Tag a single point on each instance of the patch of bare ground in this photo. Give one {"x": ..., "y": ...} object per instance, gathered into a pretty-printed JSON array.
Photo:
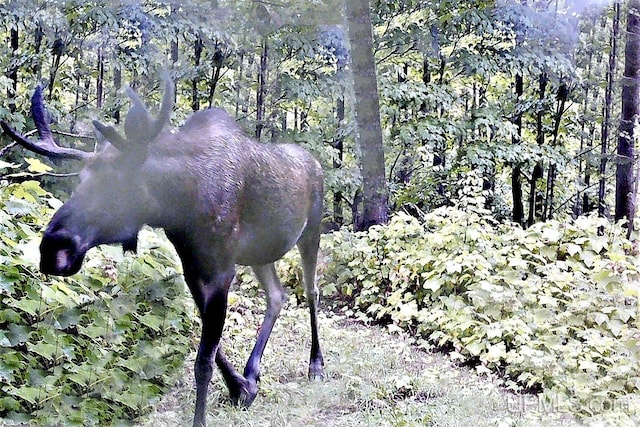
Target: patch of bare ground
[{"x": 373, "y": 378}]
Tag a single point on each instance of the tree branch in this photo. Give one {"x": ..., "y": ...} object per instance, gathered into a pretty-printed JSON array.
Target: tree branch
[{"x": 26, "y": 176}]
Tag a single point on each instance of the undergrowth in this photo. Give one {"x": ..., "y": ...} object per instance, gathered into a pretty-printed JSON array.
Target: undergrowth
[
  {"x": 551, "y": 308},
  {"x": 98, "y": 348}
]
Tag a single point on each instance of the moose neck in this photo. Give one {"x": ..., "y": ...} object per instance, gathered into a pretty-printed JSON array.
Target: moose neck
[{"x": 195, "y": 186}]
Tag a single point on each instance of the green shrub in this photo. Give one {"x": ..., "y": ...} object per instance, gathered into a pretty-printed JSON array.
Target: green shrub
[
  {"x": 553, "y": 307},
  {"x": 98, "y": 348}
]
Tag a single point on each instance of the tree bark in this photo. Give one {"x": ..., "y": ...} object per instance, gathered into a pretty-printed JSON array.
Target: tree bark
[
  {"x": 608, "y": 102},
  {"x": 630, "y": 109},
  {"x": 538, "y": 171},
  {"x": 583, "y": 203},
  {"x": 117, "y": 84},
  {"x": 100, "y": 78},
  {"x": 338, "y": 215},
  {"x": 516, "y": 171},
  {"x": 562, "y": 95},
  {"x": 13, "y": 71},
  {"x": 374, "y": 194},
  {"x": 262, "y": 88},
  {"x": 197, "y": 52}
]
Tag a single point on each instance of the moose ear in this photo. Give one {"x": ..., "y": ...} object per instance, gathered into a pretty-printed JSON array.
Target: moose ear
[
  {"x": 137, "y": 124},
  {"x": 110, "y": 134}
]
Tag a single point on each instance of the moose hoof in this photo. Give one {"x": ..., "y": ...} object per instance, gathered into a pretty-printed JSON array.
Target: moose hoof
[
  {"x": 246, "y": 395},
  {"x": 316, "y": 373}
]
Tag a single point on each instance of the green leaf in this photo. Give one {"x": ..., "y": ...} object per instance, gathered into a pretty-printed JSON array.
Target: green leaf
[
  {"x": 27, "y": 305},
  {"x": 36, "y": 166},
  {"x": 4, "y": 341},
  {"x": 6, "y": 285},
  {"x": 48, "y": 351},
  {"x": 30, "y": 394},
  {"x": 152, "y": 321}
]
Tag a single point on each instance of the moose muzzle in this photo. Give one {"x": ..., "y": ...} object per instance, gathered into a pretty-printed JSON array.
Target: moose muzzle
[{"x": 60, "y": 255}]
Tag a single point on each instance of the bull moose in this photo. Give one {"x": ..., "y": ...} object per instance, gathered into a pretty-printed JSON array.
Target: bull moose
[{"x": 222, "y": 198}]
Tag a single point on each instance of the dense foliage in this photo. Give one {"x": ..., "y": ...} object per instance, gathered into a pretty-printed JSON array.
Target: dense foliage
[
  {"x": 524, "y": 92},
  {"x": 553, "y": 307},
  {"x": 95, "y": 349}
]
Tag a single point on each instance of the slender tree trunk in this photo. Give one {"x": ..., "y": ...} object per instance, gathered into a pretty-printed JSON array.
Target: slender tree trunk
[
  {"x": 438, "y": 151},
  {"x": 117, "y": 84},
  {"x": 338, "y": 215},
  {"x": 197, "y": 53},
  {"x": 375, "y": 196},
  {"x": 239, "y": 83},
  {"x": 13, "y": 71},
  {"x": 538, "y": 171},
  {"x": 516, "y": 171},
  {"x": 630, "y": 109},
  {"x": 37, "y": 47},
  {"x": 608, "y": 103},
  {"x": 174, "y": 51},
  {"x": 100, "y": 78},
  {"x": 562, "y": 96},
  {"x": 583, "y": 204},
  {"x": 262, "y": 88},
  {"x": 57, "y": 51},
  {"x": 218, "y": 59}
]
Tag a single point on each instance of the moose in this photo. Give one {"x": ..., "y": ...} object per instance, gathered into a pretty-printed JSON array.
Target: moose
[{"x": 223, "y": 199}]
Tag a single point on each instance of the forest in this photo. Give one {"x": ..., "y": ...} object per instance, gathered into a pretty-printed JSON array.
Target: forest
[{"x": 480, "y": 172}]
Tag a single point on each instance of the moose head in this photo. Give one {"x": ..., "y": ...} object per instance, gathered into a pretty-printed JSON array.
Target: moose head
[
  {"x": 83, "y": 222},
  {"x": 221, "y": 197}
]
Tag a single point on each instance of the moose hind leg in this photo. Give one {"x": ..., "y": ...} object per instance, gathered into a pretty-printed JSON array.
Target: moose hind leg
[
  {"x": 308, "y": 247},
  {"x": 276, "y": 296}
]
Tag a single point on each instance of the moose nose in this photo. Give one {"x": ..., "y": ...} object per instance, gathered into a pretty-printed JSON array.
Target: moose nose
[{"x": 59, "y": 256}]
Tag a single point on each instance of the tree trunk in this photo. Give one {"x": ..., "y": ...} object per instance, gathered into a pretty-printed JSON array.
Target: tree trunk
[
  {"x": 37, "y": 47},
  {"x": 238, "y": 82},
  {"x": 538, "y": 171},
  {"x": 57, "y": 50},
  {"x": 218, "y": 59},
  {"x": 117, "y": 84},
  {"x": 13, "y": 71},
  {"x": 367, "y": 107},
  {"x": 100, "y": 78},
  {"x": 197, "y": 53},
  {"x": 608, "y": 102},
  {"x": 516, "y": 172},
  {"x": 338, "y": 215},
  {"x": 630, "y": 109},
  {"x": 583, "y": 204},
  {"x": 262, "y": 88},
  {"x": 562, "y": 96}
]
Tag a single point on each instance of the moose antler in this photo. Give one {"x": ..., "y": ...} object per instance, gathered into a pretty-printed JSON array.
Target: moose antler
[
  {"x": 45, "y": 145},
  {"x": 139, "y": 127}
]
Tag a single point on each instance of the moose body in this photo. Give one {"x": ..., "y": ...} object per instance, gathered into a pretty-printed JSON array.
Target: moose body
[{"x": 222, "y": 198}]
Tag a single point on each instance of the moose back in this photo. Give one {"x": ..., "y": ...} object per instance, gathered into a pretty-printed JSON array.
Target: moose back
[{"x": 222, "y": 198}]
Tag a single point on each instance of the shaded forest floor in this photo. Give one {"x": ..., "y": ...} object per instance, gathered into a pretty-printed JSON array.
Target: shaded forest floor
[{"x": 373, "y": 378}]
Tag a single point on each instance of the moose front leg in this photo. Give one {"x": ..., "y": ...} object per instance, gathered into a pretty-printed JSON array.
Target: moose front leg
[
  {"x": 276, "y": 297},
  {"x": 211, "y": 298},
  {"x": 235, "y": 382}
]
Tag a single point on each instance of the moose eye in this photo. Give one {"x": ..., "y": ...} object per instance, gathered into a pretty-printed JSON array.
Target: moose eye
[{"x": 83, "y": 175}]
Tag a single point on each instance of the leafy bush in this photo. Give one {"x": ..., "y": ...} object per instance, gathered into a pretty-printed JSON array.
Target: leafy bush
[
  {"x": 93, "y": 349},
  {"x": 553, "y": 307}
]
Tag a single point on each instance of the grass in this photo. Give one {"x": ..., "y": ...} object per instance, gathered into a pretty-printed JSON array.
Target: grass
[{"x": 373, "y": 378}]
